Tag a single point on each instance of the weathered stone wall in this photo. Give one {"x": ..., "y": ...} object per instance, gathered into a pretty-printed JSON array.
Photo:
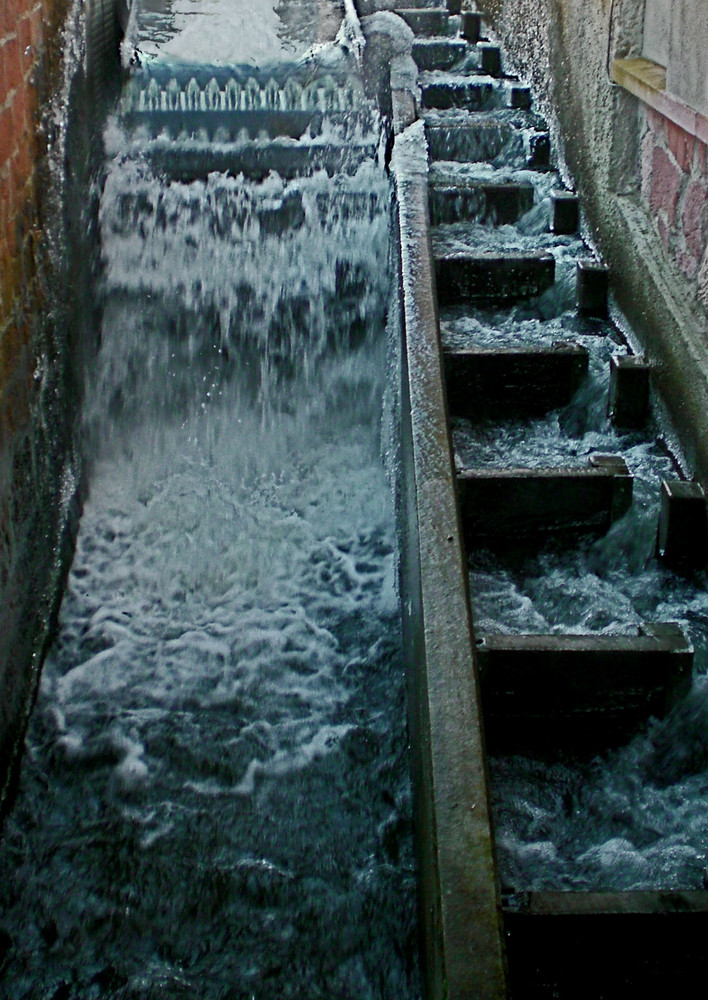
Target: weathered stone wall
[
  {"x": 674, "y": 186},
  {"x": 28, "y": 33},
  {"x": 38, "y": 376},
  {"x": 641, "y": 184}
]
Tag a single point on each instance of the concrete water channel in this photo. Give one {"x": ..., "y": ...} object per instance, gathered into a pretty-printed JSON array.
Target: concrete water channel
[{"x": 340, "y": 288}]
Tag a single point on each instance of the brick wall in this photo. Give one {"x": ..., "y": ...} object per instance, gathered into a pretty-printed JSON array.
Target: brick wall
[
  {"x": 674, "y": 185},
  {"x": 34, "y": 426}
]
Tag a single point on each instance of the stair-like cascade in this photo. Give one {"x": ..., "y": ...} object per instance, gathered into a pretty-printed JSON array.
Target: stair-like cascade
[
  {"x": 587, "y": 642},
  {"x": 216, "y": 801}
]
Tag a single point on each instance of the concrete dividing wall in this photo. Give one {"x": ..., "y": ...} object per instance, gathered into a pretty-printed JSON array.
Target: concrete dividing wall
[
  {"x": 29, "y": 34},
  {"x": 641, "y": 186},
  {"x": 45, "y": 312}
]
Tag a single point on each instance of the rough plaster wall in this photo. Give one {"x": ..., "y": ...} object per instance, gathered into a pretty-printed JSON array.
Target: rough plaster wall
[
  {"x": 36, "y": 383},
  {"x": 562, "y": 47},
  {"x": 687, "y": 74}
]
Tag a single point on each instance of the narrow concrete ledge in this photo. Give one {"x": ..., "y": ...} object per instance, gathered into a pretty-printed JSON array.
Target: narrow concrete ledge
[
  {"x": 647, "y": 81},
  {"x": 620, "y": 941},
  {"x": 460, "y": 905},
  {"x": 503, "y": 506},
  {"x": 579, "y": 692}
]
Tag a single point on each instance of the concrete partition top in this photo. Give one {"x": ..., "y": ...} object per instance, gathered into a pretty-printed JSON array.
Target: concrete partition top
[{"x": 460, "y": 905}]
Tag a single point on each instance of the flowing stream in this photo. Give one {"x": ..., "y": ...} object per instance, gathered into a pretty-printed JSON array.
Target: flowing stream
[
  {"x": 215, "y": 798},
  {"x": 635, "y": 817}
]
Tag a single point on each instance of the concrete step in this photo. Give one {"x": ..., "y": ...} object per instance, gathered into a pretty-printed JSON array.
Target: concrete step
[
  {"x": 190, "y": 161},
  {"x": 434, "y": 22},
  {"x": 519, "y": 381},
  {"x": 439, "y": 53},
  {"x": 491, "y": 202},
  {"x": 431, "y": 54},
  {"x": 616, "y": 945},
  {"x": 579, "y": 692},
  {"x": 518, "y": 144},
  {"x": 505, "y": 506},
  {"x": 473, "y": 93},
  {"x": 488, "y": 278}
]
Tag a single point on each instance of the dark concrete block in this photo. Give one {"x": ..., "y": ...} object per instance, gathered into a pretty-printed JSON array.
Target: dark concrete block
[
  {"x": 471, "y": 94},
  {"x": 616, "y": 945},
  {"x": 490, "y": 59},
  {"x": 520, "y": 97},
  {"x": 682, "y": 539},
  {"x": 566, "y": 212},
  {"x": 482, "y": 141},
  {"x": 628, "y": 404},
  {"x": 539, "y": 155},
  {"x": 530, "y": 381},
  {"x": 429, "y": 21},
  {"x": 489, "y": 278},
  {"x": 471, "y": 26},
  {"x": 579, "y": 691},
  {"x": 592, "y": 283},
  {"x": 489, "y": 202},
  {"x": 504, "y": 507},
  {"x": 438, "y": 53}
]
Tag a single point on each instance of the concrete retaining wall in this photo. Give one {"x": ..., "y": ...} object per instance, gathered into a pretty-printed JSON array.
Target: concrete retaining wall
[
  {"x": 46, "y": 319},
  {"x": 642, "y": 182}
]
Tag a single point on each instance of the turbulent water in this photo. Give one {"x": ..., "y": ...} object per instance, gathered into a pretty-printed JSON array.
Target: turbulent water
[
  {"x": 215, "y": 797},
  {"x": 635, "y": 817}
]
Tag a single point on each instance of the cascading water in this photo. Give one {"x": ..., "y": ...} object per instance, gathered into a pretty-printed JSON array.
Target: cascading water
[
  {"x": 634, "y": 817},
  {"x": 215, "y": 796}
]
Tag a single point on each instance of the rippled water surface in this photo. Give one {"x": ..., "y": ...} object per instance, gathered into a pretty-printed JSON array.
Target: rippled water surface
[{"x": 215, "y": 797}]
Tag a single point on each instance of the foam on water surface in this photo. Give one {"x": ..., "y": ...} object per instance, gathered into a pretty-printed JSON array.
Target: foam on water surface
[
  {"x": 230, "y": 31},
  {"x": 216, "y": 797}
]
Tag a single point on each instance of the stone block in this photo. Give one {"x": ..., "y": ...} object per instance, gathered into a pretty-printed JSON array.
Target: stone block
[
  {"x": 471, "y": 94},
  {"x": 483, "y": 382},
  {"x": 438, "y": 53},
  {"x": 579, "y": 691},
  {"x": 694, "y": 217},
  {"x": 681, "y": 145},
  {"x": 490, "y": 59},
  {"x": 488, "y": 202},
  {"x": 592, "y": 282},
  {"x": 477, "y": 142},
  {"x": 628, "y": 404},
  {"x": 682, "y": 538},
  {"x": 471, "y": 26},
  {"x": 665, "y": 184},
  {"x": 489, "y": 278},
  {"x": 627, "y": 944},
  {"x": 565, "y": 212},
  {"x": 539, "y": 155},
  {"x": 503, "y": 507},
  {"x": 429, "y": 21},
  {"x": 520, "y": 97}
]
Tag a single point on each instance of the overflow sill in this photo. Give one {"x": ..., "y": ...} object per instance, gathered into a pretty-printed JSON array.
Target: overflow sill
[
  {"x": 647, "y": 81},
  {"x": 460, "y": 905}
]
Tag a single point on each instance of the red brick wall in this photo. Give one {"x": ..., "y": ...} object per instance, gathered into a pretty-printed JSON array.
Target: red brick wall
[
  {"x": 675, "y": 187},
  {"x": 30, "y": 68}
]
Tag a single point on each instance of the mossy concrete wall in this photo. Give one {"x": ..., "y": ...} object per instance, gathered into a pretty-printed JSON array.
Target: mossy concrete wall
[
  {"x": 565, "y": 48},
  {"x": 44, "y": 209}
]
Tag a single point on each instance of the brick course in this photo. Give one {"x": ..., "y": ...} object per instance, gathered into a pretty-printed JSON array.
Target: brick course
[
  {"x": 675, "y": 187},
  {"x": 30, "y": 60}
]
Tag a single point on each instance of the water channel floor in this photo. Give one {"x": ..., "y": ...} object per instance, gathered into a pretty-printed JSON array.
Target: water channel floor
[{"x": 215, "y": 798}]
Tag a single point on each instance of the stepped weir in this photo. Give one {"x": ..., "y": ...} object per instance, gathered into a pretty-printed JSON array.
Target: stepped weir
[{"x": 377, "y": 486}]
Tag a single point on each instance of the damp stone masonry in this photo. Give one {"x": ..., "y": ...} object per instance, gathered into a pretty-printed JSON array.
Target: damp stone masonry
[
  {"x": 35, "y": 484},
  {"x": 639, "y": 165}
]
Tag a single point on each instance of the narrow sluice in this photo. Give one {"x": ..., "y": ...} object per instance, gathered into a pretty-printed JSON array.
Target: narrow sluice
[
  {"x": 215, "y": 796},
  {"x": 591, "y": 619}
]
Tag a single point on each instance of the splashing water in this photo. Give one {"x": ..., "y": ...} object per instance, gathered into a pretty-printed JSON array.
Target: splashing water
[{"x": 215, "y": 798}]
